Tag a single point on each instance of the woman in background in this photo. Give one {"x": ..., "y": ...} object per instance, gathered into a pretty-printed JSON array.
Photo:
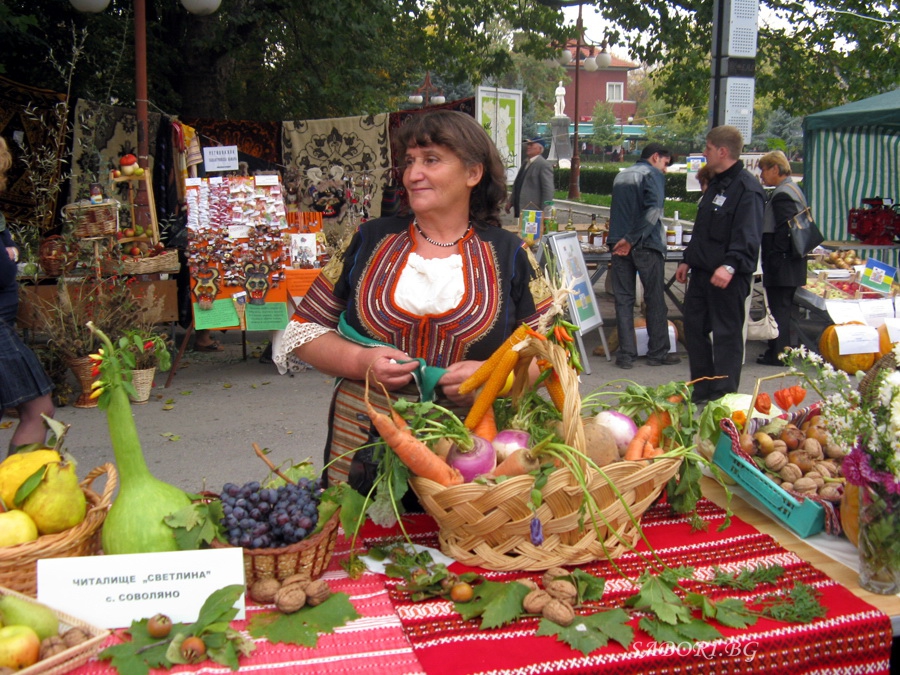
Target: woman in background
[
  {"x": 24, "y": 385},
  {"x": 783, "y": 272}
]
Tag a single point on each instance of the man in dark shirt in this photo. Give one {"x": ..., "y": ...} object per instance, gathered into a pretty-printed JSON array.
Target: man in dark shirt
[
  {"x": 636, "y": 242},
  {"x": 722, "y": 258}
]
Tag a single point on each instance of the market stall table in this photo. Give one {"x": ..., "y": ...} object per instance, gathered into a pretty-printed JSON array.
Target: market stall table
[
  {"x": 397, "y": 636},
  {"x": 598, "y": 261}
]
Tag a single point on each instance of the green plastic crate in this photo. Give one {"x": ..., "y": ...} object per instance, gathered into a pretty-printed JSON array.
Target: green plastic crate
[{"x": 805, "y": 517}]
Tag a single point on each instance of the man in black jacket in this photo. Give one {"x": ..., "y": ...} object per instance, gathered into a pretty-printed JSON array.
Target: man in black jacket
[{"x": 722, "y": 258}]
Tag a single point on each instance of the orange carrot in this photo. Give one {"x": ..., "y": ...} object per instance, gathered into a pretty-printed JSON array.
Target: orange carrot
[
  {"x": 636, "y": 446},
  {"x": 487, "y": 427},
  {"x": 518, "y": 463},
  {"x": 491, "y": 389},
  {"x": 417, "y": 456},
  {"x": 650, "y": 452},
  {"x": 481, "y": 375}
]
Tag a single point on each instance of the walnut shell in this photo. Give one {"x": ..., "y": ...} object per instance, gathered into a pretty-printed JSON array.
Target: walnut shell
[
  {"x": 787, "y": 486},
  {"x": 823, "y": 470},
  {"x": 805, "y": 486},
  {"x": 290, "y": 598},
  {"x": 834, "y": 451},
  {"x": 559, "y": 612},
  {"x": 813, "y": 448},
  {"x": 790, "y": 473},
  {"x": 263, "y": 591},
  {"x": 775, "y": 461},
  {"x": 554, "y": 573},
  {"x": 75, "y": 636},
  {"x": 51, "y": 646},
  {"x": 779, "y": 446},
  {"x": 317, "y": 592},
  {"x": 535, "y": 601},
  {"x": 830, "y": 492},
  {"x": 562, "y": 590},
  {"x": 530, "y": 584},
  {"x": 801, "y": 459},
  {"x": 296, "y": 579}
]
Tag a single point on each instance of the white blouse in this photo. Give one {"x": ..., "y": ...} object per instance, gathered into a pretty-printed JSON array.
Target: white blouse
[{"x": 431, "y": 286}]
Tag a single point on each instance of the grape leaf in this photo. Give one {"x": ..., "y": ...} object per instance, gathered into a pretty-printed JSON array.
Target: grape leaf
[
  {"x": 303, "y": 627},
  {"x": 733, "y": 612},
  {"x": 689, "y": 631},
  {"x": 657, "y": 597},
  {"x": 142, "y": 652},
  {"x": 496, "y": 603},
  {"x": 195, "y": 524},
  {"x": 588, "y": 633},
  {"x": 589, "y": 587}
]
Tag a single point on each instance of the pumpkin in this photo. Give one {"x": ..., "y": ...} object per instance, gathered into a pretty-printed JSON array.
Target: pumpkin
[
  {"x": 849, "y": 363},
  {"x": 884, "y": 341},
  {"x": 850, "y": 513}
]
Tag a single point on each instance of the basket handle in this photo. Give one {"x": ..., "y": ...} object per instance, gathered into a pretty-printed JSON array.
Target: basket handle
[
  {"x": 112, "y": 481},
  {"x": 761, "y": 380}
]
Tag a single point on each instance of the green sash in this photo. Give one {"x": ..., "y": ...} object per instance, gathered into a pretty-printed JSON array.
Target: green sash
[{"x": 426, "y": 376}]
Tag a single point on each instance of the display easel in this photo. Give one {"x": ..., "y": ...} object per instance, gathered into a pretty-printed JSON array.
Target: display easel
[
  {"x": 583, "y": 308},
  {"x": 134, "y": 186}
]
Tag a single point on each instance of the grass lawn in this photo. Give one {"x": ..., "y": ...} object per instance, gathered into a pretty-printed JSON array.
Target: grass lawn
[{"x": 687, "y": 211}]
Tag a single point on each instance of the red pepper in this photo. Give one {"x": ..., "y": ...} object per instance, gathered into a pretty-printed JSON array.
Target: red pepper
[{"x": 763, "y": 403}]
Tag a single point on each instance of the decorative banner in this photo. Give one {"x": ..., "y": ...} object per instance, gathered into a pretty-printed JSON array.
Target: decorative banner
[{"x": 499, "y": 111}]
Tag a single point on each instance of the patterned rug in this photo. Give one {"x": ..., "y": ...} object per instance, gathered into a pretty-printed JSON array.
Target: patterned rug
[
  {"x": 259, "y": 139},
  {"x": 853, "y": 638}
]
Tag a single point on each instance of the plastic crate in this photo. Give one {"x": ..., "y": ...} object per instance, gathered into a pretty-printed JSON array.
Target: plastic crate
[{"x": 805, "y": 517}]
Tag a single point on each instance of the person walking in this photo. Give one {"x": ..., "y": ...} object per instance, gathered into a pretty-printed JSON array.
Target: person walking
[
  {"x": 783, "y": 272},
  {"x": 636, "y": 242},
  {"x": 721, "y": 257},
  {"x": 533, "y": 186}
]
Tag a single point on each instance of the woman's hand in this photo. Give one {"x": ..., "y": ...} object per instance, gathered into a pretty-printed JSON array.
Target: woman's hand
[
  {"x": 456, "y": 374},
  {"x": 391, "y": 367}
]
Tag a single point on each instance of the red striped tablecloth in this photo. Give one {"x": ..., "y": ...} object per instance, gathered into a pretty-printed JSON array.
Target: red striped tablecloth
[{"x": 394, "y": 636}]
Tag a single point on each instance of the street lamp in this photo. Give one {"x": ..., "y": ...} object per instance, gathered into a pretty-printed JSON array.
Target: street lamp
[
  {"x": 142, "y": 113},
  {"x": 424, "y": 94}
]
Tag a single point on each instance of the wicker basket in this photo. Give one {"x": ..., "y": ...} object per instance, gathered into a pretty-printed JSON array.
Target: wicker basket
[
  {"x": 309, "y": 558},
  {"x": 55, "y": 257},
  {"x": 490, "y": 525},
  {"x": 18, "y": 564},
  {"x": 72, "y": 657},
  {"x": 92, "y": 220},
  {"x": 164, "y": 262}
]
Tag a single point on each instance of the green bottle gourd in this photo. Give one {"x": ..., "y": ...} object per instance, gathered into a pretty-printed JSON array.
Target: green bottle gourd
[{"x": 135, "y": 522}]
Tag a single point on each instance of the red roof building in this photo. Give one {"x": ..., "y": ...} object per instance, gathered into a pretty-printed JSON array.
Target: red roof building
[{"x": 604, "y": 84}]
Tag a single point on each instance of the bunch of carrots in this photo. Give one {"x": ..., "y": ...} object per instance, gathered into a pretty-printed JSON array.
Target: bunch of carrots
[{"x": 649, "y": 440}]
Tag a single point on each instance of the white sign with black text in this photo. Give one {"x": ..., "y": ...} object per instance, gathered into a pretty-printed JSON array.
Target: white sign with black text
[{"x": 220, "y": 158}]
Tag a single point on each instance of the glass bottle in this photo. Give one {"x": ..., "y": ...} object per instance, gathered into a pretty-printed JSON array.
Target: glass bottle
[
  {"x": 570, "y": 224},
  {"x": 550, "y": 224},
  {"x": 595, "y": 234}
]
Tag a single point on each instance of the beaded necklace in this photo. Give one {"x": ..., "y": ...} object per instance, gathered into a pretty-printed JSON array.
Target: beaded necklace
[{"x": 438, "y": 243}]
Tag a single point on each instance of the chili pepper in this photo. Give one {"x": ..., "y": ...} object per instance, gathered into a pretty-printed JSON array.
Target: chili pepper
[
  {"x": 763, "y": 403},
  {"x": 564, "y": 334},
  {"x": 533, "y": 333}
]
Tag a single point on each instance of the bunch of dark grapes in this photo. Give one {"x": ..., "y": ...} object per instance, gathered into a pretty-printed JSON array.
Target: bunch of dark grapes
[{"x": 258, "y": 517}]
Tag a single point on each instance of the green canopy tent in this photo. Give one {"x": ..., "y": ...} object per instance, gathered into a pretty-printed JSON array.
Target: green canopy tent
[{"x": 851, "y": 153}]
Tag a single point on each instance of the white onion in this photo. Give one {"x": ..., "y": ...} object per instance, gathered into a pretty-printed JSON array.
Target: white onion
[
  {"x": 506, "y": 442},
  {"x": 622, "y": 427},
  {"x": 480, "y": 460}
]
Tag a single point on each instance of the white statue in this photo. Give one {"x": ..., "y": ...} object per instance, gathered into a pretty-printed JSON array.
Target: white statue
[{"x": 560, "y": 107}]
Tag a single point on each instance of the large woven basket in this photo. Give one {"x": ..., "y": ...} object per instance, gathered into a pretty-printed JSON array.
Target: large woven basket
[
  {"x": 490, "y": 525},
  {"x": 308, "y": 558},
  {"x": 18, "y": 564},
  {"x": 92, "y": 220},
  {"x": 164, "y": 262}
]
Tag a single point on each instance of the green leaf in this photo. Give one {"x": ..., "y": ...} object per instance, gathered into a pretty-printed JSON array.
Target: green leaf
[
  {"x": 733, "y": 612},
  {"x": 29, "y": 485},
  {"x": 657, "y": 597},
  {"x": 496, "y": 603},
  {"x": 589, "y": 633},
  {"x": 690, "y": 631},
  {"x": 302, "y": 627},
  {"x": 589, "y": 587},
  {"x": 196, "y": 524},
  {"x": 352, "y": 505}
]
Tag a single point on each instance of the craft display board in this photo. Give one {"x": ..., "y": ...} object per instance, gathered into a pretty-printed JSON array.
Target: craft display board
[{"x": 245, "y": 251}]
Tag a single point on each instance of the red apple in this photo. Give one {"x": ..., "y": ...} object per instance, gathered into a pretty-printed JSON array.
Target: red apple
[
  {"x": 135, "y": 251},
  {"x": 119, "y": 234},
  {"x": 20, "y": 647},
  {"x": 129, "y": 232}
]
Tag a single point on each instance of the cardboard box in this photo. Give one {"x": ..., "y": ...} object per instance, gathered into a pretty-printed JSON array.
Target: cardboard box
[{"x": 805, "y": 517}]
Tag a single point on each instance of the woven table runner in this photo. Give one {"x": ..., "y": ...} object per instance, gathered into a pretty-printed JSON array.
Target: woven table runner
[{"x": 853, "y": 637}]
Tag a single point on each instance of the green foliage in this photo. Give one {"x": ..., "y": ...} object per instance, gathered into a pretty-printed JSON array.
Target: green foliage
[
  {"x": 303, "y": 626},
  {"x": 606, "y": 132},
  {"x": 589, "y": 633},
  {"x": 497, "y": 603}
]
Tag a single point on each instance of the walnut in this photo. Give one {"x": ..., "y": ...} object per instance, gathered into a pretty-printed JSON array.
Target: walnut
[
  {"x": 51, "y": 646},
  {"x": 534, "y": 602},
  {"x": 317, "y": 592},
  {"x": 558, "y": 612},
  {"x": 297, "y": 579},
  {"x": 790, "y": 473},
  {"x": 775, "y": 461},
  {"x": 787, "y": 486},
  {"x": 290, "y": 598},
  {"x": 554, "y": 573},
  {"x": 779, "y": 446},
  {"x": 813, "y": 448},
  {"x": 823, "y": 470},
  {"x": 805, "y": 486},
  {"x": 562, "y": 590},
  {"x": 75, "y": 636},
  {"x": 530, "y": 584},
  {"x": 263, "y": 591},
  {"x": 834, "y": 451},
  {"x": 830, "y": 492}
]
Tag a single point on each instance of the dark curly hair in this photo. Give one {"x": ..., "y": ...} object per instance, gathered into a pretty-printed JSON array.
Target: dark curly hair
[{"x": 465, "y": 138}]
